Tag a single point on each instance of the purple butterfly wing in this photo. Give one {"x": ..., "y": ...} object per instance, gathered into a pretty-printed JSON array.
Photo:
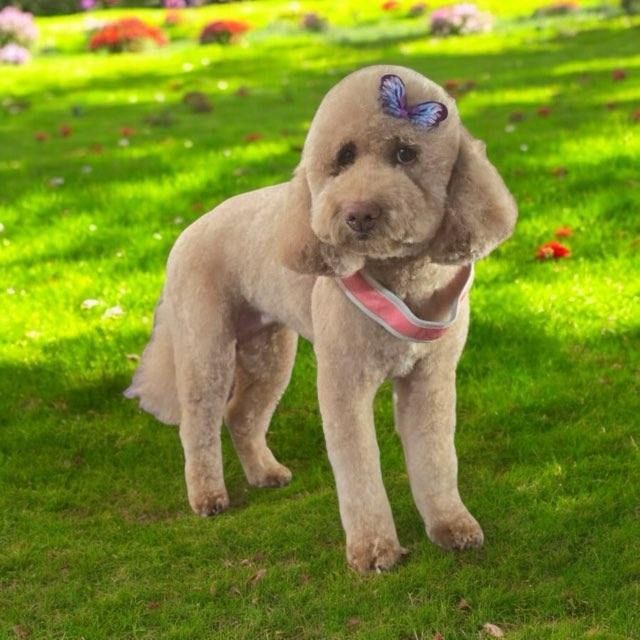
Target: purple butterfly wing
[
  {"x": 393, "y": 96},
  {"x": 428, "y": 114}
]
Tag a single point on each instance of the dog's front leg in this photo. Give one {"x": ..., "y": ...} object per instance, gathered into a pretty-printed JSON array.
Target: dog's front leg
[
  {"x": 425, "y": 411},
  {"x": 346, "y": 403}
]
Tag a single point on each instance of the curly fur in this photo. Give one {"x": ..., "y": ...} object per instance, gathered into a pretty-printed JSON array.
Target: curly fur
[{"x": 247, "y": 278}]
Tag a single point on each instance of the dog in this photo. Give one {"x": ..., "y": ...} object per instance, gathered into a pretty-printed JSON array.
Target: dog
[{"x": 367, "y": 253}]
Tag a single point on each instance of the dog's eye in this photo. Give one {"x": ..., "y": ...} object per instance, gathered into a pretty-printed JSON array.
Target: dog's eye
[
  {"x": 346, "y": 155},
  {"x": 405, "y": 155}
]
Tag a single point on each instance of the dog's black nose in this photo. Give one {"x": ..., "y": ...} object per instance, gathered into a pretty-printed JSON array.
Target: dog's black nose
[{"x": 361, "y": 217}]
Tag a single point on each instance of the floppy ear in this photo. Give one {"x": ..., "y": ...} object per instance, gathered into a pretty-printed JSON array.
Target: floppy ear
[
  {"x": 299, "y": 249},
  {"x": 480, "y": 212}
]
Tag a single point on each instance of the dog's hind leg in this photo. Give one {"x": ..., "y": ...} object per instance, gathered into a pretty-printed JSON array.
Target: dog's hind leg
[
  {"x": 204, "y": 347},
  {"x": 263, "y": 368}
]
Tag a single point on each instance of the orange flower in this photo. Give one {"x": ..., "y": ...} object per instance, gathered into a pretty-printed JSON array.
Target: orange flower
[
  {"x": 563, "y": 232},
  {"x": 552, "y": 250},
  {"x": 390, "y": 5}
]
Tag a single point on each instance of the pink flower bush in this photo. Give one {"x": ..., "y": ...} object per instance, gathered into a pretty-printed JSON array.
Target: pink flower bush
[
  {"x": 17, "y": 26},
  {"x": 460, "y": 19},
  {"x": 14, "y": 54}
]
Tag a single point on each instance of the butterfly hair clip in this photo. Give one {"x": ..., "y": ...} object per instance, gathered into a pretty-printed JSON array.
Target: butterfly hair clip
[{"x": 393, "y": 98}]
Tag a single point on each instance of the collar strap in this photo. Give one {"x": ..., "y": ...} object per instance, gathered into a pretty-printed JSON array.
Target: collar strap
[{"x": 391, "y": 313}]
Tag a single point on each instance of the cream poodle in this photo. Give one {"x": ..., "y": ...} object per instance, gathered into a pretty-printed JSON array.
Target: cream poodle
[{"x": 367, "y": 252}]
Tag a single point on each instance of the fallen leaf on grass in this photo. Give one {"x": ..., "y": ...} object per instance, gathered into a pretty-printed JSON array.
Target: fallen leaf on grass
[
  {"x": 563, "y": 232},
  {"x": 21, "y": 632},
  {"x": 618, "y": 74},
  {"x": 197, "y": 101},
  {"x": 493, "y": 630},
  {"x": 127, "y": 132},
  {"x": 242, "y": 92},
  {"x": 133, "y": 357},
  {"x": 65, "y": 130},
  {"x": 41, "y": 136},
  {"x": 353, "y": 623},
  {"x": 559, "y": 172},
  {"x": 113, "y": 312},
  {"x": 463, "y": 605},
  {"x": 89, "y": 303},
  {"x": 437, "y": 636},
  {"x": 543, "y": 112},
  {"x": 635, "y": 115},
  {"x": 253, "y": 136},
  {"x": 516, "y": 116},
  {"x": 257, "y": 576},
  {"x": 153, "y": 605}
]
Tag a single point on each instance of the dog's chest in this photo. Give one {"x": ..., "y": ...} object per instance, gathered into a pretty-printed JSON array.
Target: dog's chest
[{"x": 402, "y": 356}]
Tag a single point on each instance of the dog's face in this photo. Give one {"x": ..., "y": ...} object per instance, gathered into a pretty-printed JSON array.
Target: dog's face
[
  {"x": 388, "y": 171},
  {"x": 378, "y": 182}
]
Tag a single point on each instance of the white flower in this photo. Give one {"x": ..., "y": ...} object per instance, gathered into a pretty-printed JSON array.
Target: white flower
[
  {"x": 11, "y": 291},
  {"x": 89, "y": 303},
  {"x": 93, "y": 227},
  {"x": 188, "y": 144},
  {"x": 524, "y": 148},
  {"x": 123, "y": 142},
  {"x": 223, "y": 85},
  {"x": 57, "y": 181},
  {"x": 178, "y": 220},
  {"x": 86, "y": 168},
  {"x": 510, "y": 128},
  {"x": 187, "y": 66},
  {"x": 159, "y": 97},
  {"x": 113, "y": 312}
]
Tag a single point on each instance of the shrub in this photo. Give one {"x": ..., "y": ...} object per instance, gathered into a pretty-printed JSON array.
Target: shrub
[
  {"x": 460, "y": 19},
  {"x": 223, "y": 31},
  {"x": 126, "y": 34},
  {"x": 14, "y": 54},
  {"x": 556, "y": 9},
  {"x": 313, "y": 22},
  {"x": 56, "y": 7},
  {"x": 17, "y": 27}
]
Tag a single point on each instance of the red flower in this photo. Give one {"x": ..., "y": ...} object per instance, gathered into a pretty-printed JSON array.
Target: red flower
[
  {"x": 126, "y": 34},
  {"x": 618, "y": 74},
  {"x": 65, "y": 130},
  {"x": 41, "y": 136},
  {"x": 223, "y": 31},
  {"x": 552, "y": 250},
  {"x": 390, "y": 5},
  {"x": 563, "y": 232},
  {"x": 543, "y": 112},
  {"x": 127, "y": 132},
  {"x": 253, "y": 136}
]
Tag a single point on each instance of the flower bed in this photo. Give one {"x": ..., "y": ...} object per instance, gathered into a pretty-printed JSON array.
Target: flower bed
[
  {"x": 223, "y": 31},
  {"x": 460, "y": 19},
  {"x": 17, "y": 33},
  {"x": 127, "y": 34}
]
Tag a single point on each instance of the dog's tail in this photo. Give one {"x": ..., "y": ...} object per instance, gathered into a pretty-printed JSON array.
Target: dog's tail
[{"x": 154, "y": 382}]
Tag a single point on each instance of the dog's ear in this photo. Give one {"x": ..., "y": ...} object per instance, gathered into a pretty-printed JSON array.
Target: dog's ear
[
  {"x": 480, "y": 212},
  {"x": 299, "y": 249}
]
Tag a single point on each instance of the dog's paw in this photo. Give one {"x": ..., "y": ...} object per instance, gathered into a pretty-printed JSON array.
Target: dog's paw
[
  {"x": 374, "y": 554},
  {"x": 277, "y": 475},
  {"x": 209, "y": 504},
  {"x": 460, "y": 532}
]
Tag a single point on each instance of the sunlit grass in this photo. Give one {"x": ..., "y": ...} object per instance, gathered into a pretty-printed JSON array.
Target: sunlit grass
[{"x": 96, "y": 535}]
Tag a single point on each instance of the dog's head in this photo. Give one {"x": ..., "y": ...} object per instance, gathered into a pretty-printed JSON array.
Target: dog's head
[{"x": 388, "y": 171}]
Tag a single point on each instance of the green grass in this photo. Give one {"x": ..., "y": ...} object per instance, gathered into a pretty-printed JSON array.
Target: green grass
[{"x": 96, "y": 536}]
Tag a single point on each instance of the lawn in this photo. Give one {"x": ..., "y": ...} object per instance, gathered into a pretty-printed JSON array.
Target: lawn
[{"x": 97, "y": 539}]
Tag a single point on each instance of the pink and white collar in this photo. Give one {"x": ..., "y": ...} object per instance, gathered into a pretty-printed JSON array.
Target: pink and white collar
[{"x": 391, "y": 313}]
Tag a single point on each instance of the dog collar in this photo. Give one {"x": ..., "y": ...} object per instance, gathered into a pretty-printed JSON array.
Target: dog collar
[{"x": 391, "y": 313}]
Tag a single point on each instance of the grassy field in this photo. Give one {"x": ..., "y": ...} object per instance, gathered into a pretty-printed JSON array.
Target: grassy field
[{"x": 96, "y": 536}]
